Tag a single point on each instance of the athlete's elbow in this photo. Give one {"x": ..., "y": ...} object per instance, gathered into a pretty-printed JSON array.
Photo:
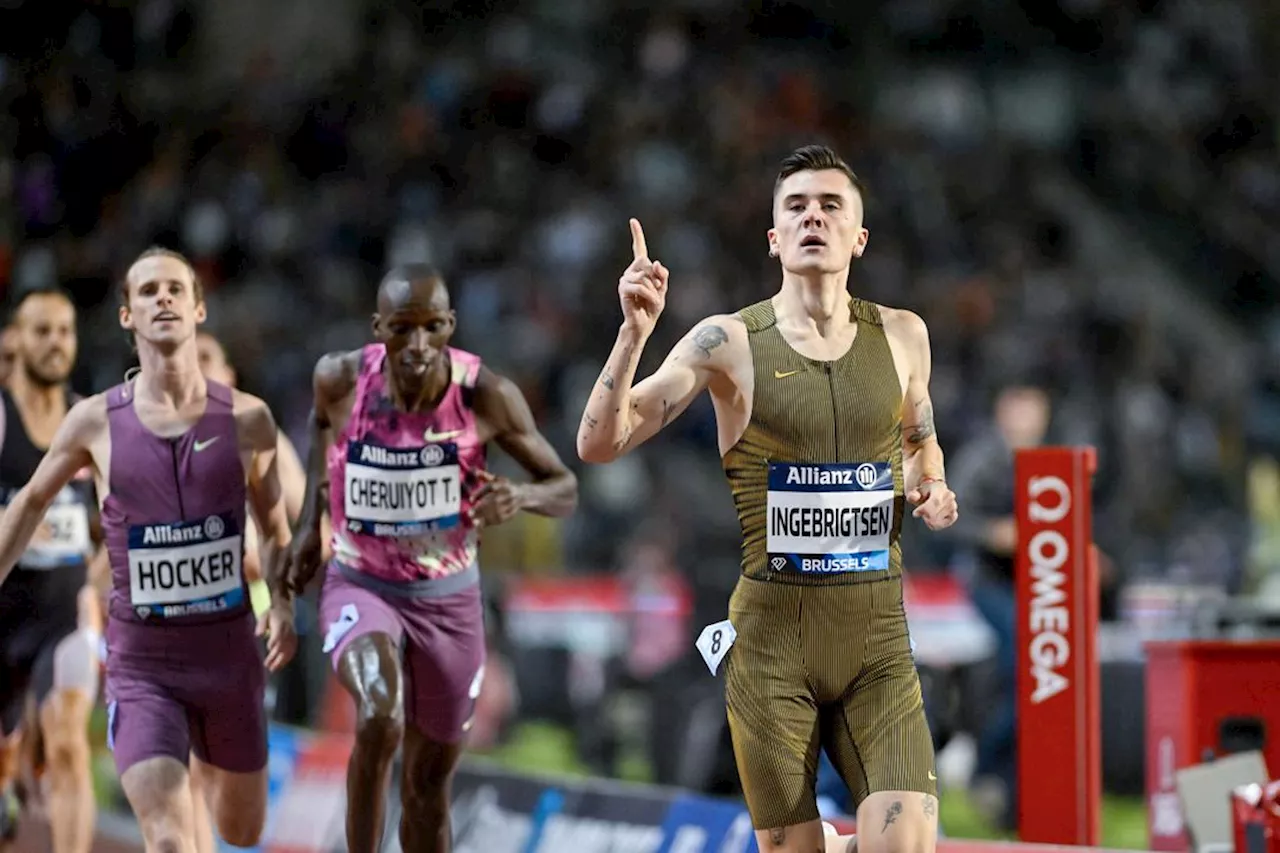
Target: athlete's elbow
[
  {"x": 593, "y": 451},
  {"x": 569, "y": 503}
]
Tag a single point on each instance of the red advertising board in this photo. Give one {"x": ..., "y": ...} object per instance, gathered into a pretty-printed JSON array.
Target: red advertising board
[{"x": 1059, "y": 730}]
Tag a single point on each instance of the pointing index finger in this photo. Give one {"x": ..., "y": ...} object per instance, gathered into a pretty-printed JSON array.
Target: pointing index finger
[{"x": 638, "y": 248}]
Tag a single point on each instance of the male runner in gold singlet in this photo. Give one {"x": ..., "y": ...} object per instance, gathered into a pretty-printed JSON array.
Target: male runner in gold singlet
[{"x": 825, "y": 427}]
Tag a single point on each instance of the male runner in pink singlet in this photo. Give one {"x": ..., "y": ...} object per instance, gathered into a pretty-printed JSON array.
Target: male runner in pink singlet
[
  {"x": 399, "y": 431},
  {"x": 176, "y": 458}
]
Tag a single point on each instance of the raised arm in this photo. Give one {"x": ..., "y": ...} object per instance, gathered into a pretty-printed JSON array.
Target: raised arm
[
  {"x": 924, "y": 473},
  {"x": 68, "y": 453},
  {"x": 554, "y": 489},
  {"x": 619, "y": 417}
]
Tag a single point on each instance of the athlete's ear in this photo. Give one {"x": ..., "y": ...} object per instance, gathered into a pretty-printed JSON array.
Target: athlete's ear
[
  {"x": 375, "y": 324},
  {"x": 772, "y": 236},
  {"x": 126, "y": 318},
  {"x": 860, "y": 244},
  {"x": 202, "y": 313}
]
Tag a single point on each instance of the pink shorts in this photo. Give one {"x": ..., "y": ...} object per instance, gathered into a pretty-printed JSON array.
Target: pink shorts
[{"x": 441, "y": 637}]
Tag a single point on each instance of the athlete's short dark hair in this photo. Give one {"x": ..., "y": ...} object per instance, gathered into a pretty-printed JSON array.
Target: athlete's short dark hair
[
  {"x": 36, "y": 292},
  {"x": 816, "y": 158}
]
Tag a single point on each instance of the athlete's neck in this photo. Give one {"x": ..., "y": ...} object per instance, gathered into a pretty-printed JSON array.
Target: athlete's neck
[
  {"x": 170, "y": 377},
  {"x": 821, "y": 301},
  {"x": 36, "y": 398},
  {"x": 418, "y": 395}
]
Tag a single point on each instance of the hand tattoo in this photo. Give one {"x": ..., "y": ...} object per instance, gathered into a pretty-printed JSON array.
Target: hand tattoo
[
  {"x": 922, "y": 430},
  {"x": 891, "y": 816},
  {"x": 708, "y": 338}
]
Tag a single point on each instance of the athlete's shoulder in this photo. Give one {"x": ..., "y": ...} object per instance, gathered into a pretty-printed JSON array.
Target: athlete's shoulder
[
  {"x": 492, "y": 387},
  {"x": 710, "y": 332},
  {"x": 465, "y": 367},
  {"x": 87, "y": 417},
  {"x": 903, "y": 323},
  {"x": 242, "y": 402},
  {"x": 254, "y": 419},
  {"x": 336, "y": 372},
  {"x": 757, "y": 316}
]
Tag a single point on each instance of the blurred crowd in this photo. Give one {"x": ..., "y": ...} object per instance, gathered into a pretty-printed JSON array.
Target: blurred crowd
[{"x": 509, "y": 142}]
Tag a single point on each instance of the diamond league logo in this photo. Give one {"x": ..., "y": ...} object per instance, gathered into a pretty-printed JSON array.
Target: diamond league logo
[
  {"x": 778, "y": 563},
  {"x": 432, "y": 455},
  {"x": 213, "y": 527}
]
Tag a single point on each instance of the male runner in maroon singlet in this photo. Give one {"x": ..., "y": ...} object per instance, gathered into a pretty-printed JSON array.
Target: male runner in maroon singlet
[
  {"x": 398, "y": 437},
  {"x": 171, "y": 454}
]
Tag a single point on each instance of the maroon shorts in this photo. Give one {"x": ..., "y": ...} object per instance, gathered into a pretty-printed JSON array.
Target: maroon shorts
[
  {"x": 176, "y": 690},
  {"x": 439, "y": 625}
]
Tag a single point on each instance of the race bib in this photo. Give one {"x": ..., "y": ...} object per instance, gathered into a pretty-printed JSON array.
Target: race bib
[
  {"x": 402, "y": 492},
  {"x": 63, "y": 536},
  {"x": 185, "y": 568},
  {"x": 830, "y": 519}
]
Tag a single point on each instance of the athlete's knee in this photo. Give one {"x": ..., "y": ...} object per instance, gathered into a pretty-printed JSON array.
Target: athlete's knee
[
  {"x": 379, "y": 726},
  {"x": 244, "y": 830},
  {"x": 167, "y": 839}
]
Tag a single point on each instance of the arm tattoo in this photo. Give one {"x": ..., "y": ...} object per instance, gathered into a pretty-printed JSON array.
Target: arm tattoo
[
  {"x": 667, "y": 408},
  {"x": 708, "y": 338},
  {"x": 930, "y": 805},
  {"x": 922, "y": 430},
  {"x": 778, "y": 835},
  {"x": 606, "y": 379},
  {"x": 621, "y": 443},
  {"x": 891, "y": 816},
  {"x": 592, "y": 423}
]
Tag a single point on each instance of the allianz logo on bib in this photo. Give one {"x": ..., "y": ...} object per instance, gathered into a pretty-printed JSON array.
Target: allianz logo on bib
[
  {"x": 830, "y": 477},
  {"x": 211, "y": 529},
  {"x": 401, "y": 458}
]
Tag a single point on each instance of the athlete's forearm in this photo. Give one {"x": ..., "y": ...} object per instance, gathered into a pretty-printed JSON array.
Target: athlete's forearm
[
  {"x": 100, "y": 572},
  {"x": 606, "y": 425},
  {"x": 923, "y": 461},
  {"x": 555, "y": 496},
  {"x": 313, "y": 502},
  {"x": 21, "y": 518}
]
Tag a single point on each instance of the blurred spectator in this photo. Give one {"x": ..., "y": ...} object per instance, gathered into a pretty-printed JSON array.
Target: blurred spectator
[{"x": 981, "y": 474}]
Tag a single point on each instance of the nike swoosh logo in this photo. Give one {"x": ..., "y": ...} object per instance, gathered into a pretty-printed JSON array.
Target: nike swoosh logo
[
  {"x": 932, "y": 778},
  {"x": 778, "y": 374},
  {"x": 432, "y": 436},
  {"x": 201, "y": 445}
]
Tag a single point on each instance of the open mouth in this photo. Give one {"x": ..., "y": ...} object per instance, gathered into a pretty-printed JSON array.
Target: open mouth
[
  {"x": 165, "y": 316},
  {"x": 811, "y": 241}
]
